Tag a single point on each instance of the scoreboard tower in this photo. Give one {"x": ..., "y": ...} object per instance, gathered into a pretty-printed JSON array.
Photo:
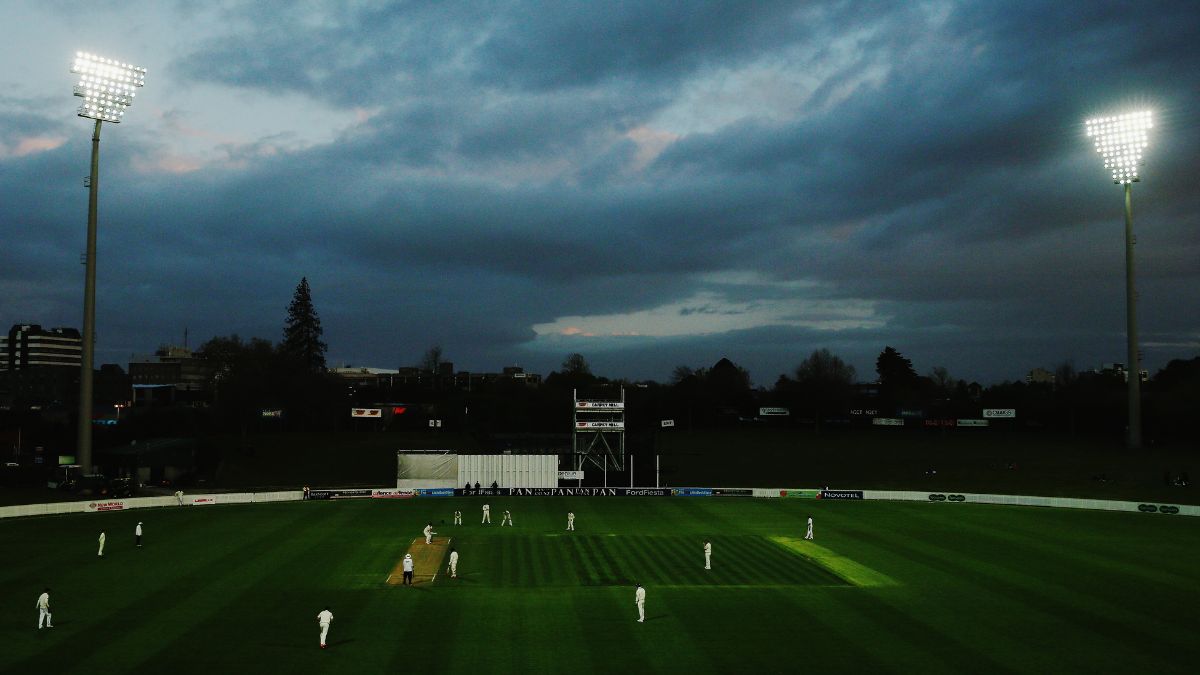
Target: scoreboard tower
[{"x": 599, "y": 435}]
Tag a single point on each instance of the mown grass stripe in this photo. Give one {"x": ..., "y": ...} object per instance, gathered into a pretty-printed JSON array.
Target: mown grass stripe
[
  {"x": 584, "y": 567},
  {"x": 842, "y": 567}
]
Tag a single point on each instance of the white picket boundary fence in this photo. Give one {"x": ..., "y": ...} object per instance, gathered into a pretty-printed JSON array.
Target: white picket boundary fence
[{"x": 103, "y": 505}]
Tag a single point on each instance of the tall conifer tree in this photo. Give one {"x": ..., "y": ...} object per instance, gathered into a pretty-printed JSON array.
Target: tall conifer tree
[{"x": 302, "y": 335}]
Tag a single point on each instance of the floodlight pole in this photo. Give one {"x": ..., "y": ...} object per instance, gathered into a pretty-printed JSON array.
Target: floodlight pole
[
  {"x": 1134, "y": 373},
  {"x": 87, "y": 370}
]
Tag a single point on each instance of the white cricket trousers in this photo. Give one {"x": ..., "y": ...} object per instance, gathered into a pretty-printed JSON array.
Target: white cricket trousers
[
  {"x": 454, "y": 569},
  {"x": 44, "y": 615},
  {"x": 324, "y": 632},
  {"x": 641, "y": 611},
  {"x": 429, "y": 539},
  {"x": 487, "y": 517},
  {"x": 809, "y": 534},
  {"x": 708, "y": 561},
  {"x": 571, "y": 525},
  {"x": 458, "y": 519}
]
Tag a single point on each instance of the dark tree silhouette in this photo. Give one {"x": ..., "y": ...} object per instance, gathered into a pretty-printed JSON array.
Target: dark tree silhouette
[
  {"x": 302, "y": 335},
  {"x": 575, "y": 364}
]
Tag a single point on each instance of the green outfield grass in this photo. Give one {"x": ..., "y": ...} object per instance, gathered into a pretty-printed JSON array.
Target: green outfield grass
[{"x": 896, "y": 587}]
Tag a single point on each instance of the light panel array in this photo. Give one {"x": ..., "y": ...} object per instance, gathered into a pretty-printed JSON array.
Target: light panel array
[
  {"x": 107, "y": 86},
  {"x": 1120, "y": 140}
]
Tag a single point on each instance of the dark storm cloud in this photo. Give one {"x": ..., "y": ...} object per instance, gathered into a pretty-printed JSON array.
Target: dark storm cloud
[{"x": 937, "y": 176}]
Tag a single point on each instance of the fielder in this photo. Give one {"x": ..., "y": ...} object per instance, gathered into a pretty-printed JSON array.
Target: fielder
[
  {"x": 101, "y": 551},
  {"x": 809, "y": 535},
  {"x": 324, "y": 618},
  {"x": 408, "y": 569},
  {"x": 453, "y": 566},
  {"x": 507, "y": 520},
  {"x": 570, "y": 521},
  {"x": 639, "y": 597},
  {"x": 708, "y": 555},
  {"x": 458, "y": 517},
  {"x": 487, "y": 514},
  {"x": 179, "y": 497},
  {"x": 43, "y": 605},
  {"x": 137, "y": 534},
  {"x": 429, "y": 533}
]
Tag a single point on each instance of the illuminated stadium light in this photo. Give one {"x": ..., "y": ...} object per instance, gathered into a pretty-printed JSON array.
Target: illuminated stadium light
[
  {"x": 1120, "y": 139},
  {"x": 106, "y": 86}
]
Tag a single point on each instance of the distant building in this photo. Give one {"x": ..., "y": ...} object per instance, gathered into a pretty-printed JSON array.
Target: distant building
[
  {"x": 1119, "y": 370},
  {"x": 171, "y": 375},
  {"x": 31, "y": 346},
  {"x": 1039, "y": 376},
  {"x": 40, "y": 366}
]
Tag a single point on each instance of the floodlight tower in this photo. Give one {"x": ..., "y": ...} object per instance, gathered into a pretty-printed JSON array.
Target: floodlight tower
[
  {"x": 1120, "y": 139},
  {"x": 107, "y": 87}
]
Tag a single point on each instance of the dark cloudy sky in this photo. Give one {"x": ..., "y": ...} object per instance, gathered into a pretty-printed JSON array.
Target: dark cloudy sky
[{"x": 650, "y": 184}]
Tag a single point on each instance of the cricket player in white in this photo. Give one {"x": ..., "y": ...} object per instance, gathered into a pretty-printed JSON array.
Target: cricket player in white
[
  {"x": 487, "y": 514},
  {"x": 429, "y": 533},
  {"x": 101, "y": 551},
  {"x": 458, "y": 517},
  {"x": 179, "y": 496},
  {"x": 137, "y": 535},
  {"x": 323, "y": 620},
  {"x": 507, "y": 520},
  {"x": 570, "y": 521},
  {"x": 639, "y": 596},
  {"x": 808, "y": 535},
  {"x": 453, "y": 567},
  {"x": 708, "y": 555},
  {"x": 43, "y": 605}
]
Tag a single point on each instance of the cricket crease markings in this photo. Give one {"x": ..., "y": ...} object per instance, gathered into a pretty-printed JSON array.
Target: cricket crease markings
[
  {"x": 854, "y": 573},
  {"x": 427, "y": 560}
]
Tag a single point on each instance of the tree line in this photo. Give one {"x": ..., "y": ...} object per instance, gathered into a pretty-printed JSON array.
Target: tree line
[{"x": 249, "y": 376}]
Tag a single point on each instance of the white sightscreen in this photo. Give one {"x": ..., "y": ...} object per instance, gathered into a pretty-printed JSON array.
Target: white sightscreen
[
  {"x": 426, "y": 470},
  {"x": 508, "y": 470}
]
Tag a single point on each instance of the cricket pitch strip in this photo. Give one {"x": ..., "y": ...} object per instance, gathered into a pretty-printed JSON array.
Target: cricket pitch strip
[{"x": 427, "y": 560}]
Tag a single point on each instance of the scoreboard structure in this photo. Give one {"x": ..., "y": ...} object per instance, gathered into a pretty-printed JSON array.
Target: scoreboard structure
[{"x": 599, "y": 434}]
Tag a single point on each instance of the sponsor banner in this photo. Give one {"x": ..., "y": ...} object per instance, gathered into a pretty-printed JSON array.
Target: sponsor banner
[
  {"x": 367, "y": 412},
  {"x": 732, "y": 492},
  {"x": 584, "y": 492},
  {"x": 600, "y": 405},
  {"x": 272, "y": 413},
  {"x": 939, "y": 423},
  {"x": 202, "y": 501},
  {"x": 338, "y": 494},
  {"x": 393, "y": 494},
  {"x": 570, "y": 475},
  {"x": 768, "y": 412},
  {"x": 802, "y": 494},
  {"x": 999, "y": 413},
  {"x": 692, "y": 492},
  {"x": 887, "y": 421},
  {"x": 599, "y": 425},
  {"x": 912, "y": 413},
  {"x": 481, "y": 492},
  {"x": 972, "y": 423},
  {"x": 668, "y": 423},
  {"x": 840, "y": 494},
  {"x": 436, "y": 492},
  {"x": 96, "y": 507},
  {"x": 1160, "y": 508}
]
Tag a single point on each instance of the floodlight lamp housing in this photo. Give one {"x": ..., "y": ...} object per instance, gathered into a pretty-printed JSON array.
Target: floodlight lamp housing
[
  {"x": 106, "y": 86},
  {"x": 1120, "y": 140}
]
